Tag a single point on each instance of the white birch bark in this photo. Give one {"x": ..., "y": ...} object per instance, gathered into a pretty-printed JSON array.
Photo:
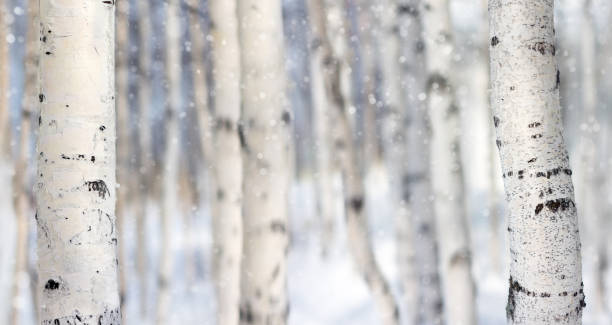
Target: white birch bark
[
  {"x": 446, "y": 170},
  {"x": 169, "y": 190},
  {"x": 346, "y": 153},
  {"x": 545, "y": 260},
  {"x": 75, "y": 188},
  {"x": 266, "y": 142},
  {"x": 227, "y": 170},
  {"x": 416, "y": 182},
  {"x": 4, "y": 75}
]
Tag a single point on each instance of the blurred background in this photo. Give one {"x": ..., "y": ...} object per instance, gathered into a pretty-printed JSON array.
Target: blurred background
[{"x": 324, "y": 286}]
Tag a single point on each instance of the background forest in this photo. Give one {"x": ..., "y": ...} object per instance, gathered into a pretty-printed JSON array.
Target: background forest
[{"x": 361, "y": 162}]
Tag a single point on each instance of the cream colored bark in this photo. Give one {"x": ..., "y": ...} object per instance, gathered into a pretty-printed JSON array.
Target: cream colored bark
[
  {"x": 335, "y": 64},
  {"x": 446, "y": 170},
  {"x": 545, "y": 260},
  {"x": 4, "y": 75},
  {"x": 416, "y": 186},
  {"x": 169, "y": 192},
  {"x": 266, "y": 142},
  {"x": 75, "y": 187},
  {"x": 321, "y": 111},
  {"x": 227, "y": 162}
]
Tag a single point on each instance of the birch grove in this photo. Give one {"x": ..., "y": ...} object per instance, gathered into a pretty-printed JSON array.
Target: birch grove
[
  {"x": 296, "y": 162},
  {"x": 265, "y": 140},
  {"x": 227, "y": 163},
  {"x": 75, "y": 186},
  {"x": 545, "y": 266}
]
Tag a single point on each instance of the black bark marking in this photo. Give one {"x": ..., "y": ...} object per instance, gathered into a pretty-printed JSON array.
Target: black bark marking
[
  {"x": 109, "y": 2},
  {"x": 98, "y": 186},
  {"x": 41, "y": 97},
  {"x": 246, "y": 313},
  {"x": 536, "y": 136},
  {"x": 242, "y": 138},
  {"x": 498, "y": 143},
  {"x": 563, "y": 204},
  {"x": 543, "y": 48},
  {"x": 286, "y": 117},
  {"x": 224, "y": 124},
  {"x": 496, "y": 121},
  {"x": 494, "y": 41},
  {"x": 278, "y": 226},
  {"x": 521, "y": 174},
  {"x": 539, "y": 208},
  {"x": 220, "y": 194},
  {"x": 406, "y": 9},
  {"x": 52, "y": 285},
  {"x": 356, "y": 203},
  {"x": 437, "y": 81},
  {"x": 102, "y": 128},
  {"x": 534, "y": 125},
  {"x": 93, "y": 159},
  {"x": 532, "y": 160},
  {"x": 558, "y": 79},
  {"x": 48, "y": 53}
]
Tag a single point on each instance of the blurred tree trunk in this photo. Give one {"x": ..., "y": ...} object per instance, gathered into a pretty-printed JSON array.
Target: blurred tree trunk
[
  {"x": 123, "y": 151},
  {"x": 321, "y": 107},
  {"x": 4, "y": 87},
  {"x": 416, "y": 188},
  {"x": 446, "y": 170},
  {"x": 170, "y": 173},
  {"x": 227, "y": 162},
  {"x": 266, "y": 141},
  {"x": 75, "y": 188},
  {"x": 335, "y": 64},
  {"x": 545, "y": 261},
  {"x": 146, "y": 147},
  {"x": 21, "y": 194},
  {"x": 587, "y": 186},
  {"x": 395, "y": 143}
]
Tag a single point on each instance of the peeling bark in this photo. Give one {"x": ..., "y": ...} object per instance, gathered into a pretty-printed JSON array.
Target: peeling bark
[
  {"x": 77, "y": 238},
  {"x": 545, "y": 266}
]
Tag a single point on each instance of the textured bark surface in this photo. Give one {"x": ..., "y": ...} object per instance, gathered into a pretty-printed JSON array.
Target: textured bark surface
[
  {"x": 416, "y": 182},
  {"x": 446, "y": 170},
  {"x": 319, "y": 51},
  {"x": 545, "y": 265},
  {"x": 266, "y": 140},
  {"x": 75, "y": 188},
  {"x": 169, "y": 186},
  {"x": 336, "y": 64},
  {"x": 227, "y": 163}
]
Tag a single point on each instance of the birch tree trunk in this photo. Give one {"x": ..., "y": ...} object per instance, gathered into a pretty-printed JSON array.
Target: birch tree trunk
[
  {"x": 321, "y": 107},
  {"x": 75, "y": 189},
  {"x": 171, "y": 160},
  {"x": 227, "y": 170},
  {"x": 4, "y": 76},
  {"x": 446, "y": 170},
  {"x": 266, "y": 142},
  {"x": 335, "y": 64},
  {"x": 416, "y": 186},
  {"x": 394, "y": 139},
  {"x": 545, "y": 268}
]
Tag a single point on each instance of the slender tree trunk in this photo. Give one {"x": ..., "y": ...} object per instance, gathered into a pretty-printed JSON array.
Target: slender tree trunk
[
  {"x": 227, "y": 163},
  {"x": 545, "y": 261},
  {"x": 416, "y": 186},
  {"x": 446, "y": 170},
  {"x": 4, "y": 76},
  {"x": 75, "y": 189},
  {"x": 266, "y": 142},
  {"x": 321, "y": 107},
  {"x": 146, "y": 149},
  {"x": 395, "y": 147},
  {"x": 122, "y": 113},
  {"x": 346, "y": 153},
  {"x": 171, "y": 160}
]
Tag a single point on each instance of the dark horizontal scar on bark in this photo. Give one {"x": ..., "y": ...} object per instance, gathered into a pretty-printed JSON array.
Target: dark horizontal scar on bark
[
  {"x": 555, "y": 205},
  {"x": 494, "y": 41},
  {"x": 278, "y": 226},
  {"x": 534, "y": 125},
  {"x": 356, "y": 203},
  {"x": 98, "y": 186}
]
